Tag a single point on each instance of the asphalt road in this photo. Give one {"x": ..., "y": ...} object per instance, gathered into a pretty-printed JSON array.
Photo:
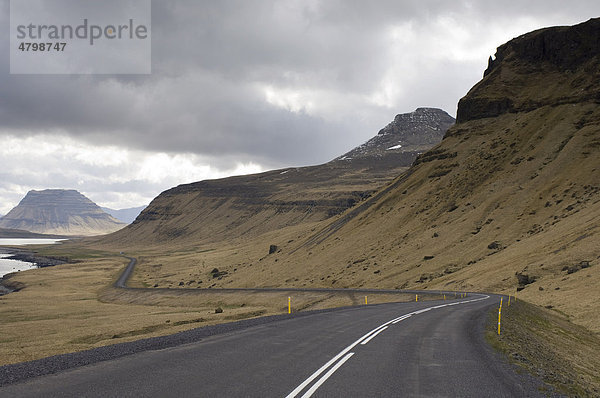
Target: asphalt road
[{"x": 386, "y": 350}]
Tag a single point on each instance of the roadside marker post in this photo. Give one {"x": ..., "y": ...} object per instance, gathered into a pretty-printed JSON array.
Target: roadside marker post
[
  {"x": 499, "y": 315},
  {"x": 366, "y": 300},
  {"x": 444, "y": 297},
  {"x": 289, "y": 305},
  {"x": 416, "y": 297}
]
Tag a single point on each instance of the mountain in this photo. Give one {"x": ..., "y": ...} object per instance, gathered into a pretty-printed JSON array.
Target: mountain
[
  {"x": 413, "y": 133},
  {"x": 60, "y": 212},
  {"x": 508, "y": 201},
  {"x": 248, "y": 206},
  {"x": 125, "y": 215}
]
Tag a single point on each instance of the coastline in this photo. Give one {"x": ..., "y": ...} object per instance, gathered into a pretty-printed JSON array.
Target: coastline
[
  {"x": 6, "y": 285},
  {"x": 31, "y": 257}
]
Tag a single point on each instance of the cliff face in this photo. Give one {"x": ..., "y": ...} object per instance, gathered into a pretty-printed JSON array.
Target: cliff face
[
  {"x": 551, "y": 66},
  {"x": 61, "y": 212},
  {"x": 247, "y": 206}
]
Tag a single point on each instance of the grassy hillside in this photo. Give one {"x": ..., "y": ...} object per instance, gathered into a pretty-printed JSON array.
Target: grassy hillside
[
  {"x": 248, "y": 206},
  {"x": 510, "y": 200}
]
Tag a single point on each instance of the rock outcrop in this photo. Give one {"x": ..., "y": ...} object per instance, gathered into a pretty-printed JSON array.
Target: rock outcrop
[
  {"x": 407, "y": 135},
  {"x": 60, "y": 212},
  {"x": 550, "y": 66}
]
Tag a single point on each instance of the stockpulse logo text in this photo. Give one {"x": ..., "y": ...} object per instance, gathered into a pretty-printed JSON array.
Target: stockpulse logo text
[{"x": 84, "y": 31}]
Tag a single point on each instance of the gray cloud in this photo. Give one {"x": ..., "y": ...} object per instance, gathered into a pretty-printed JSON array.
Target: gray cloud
[{"x": 272, "y": 82}]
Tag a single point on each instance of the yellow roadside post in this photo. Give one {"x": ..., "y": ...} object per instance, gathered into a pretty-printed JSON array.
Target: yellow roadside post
[
  {"x": 366, "y": 300},
  {"x": 416, "y": 297},
  {"x": 289, "y": 305},
  {"x": 499, "y": 315},
  {"x": 444, "y": 297}
]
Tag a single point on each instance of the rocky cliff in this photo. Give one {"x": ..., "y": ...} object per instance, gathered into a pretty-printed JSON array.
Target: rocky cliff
[
  {"x": 61, "y": 212},
  {"x": 547, "y": 67},
  {"x": 409, "y": 133}
]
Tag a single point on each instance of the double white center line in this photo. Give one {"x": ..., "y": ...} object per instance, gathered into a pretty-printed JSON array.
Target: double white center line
[{"x": 345, "y": 354}]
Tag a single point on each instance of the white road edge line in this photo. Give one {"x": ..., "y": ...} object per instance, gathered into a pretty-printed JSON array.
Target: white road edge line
[
  {"x": 375, "y": 331},
  {"x": 373, "y": 336},
  {"x": 322, "y": 380}
]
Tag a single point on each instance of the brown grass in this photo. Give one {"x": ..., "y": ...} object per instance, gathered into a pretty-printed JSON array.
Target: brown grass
[
  {"x": 548, "y": 345},
  {"x": 526, "y": 181},
  {"x": 73, "y": 307}
]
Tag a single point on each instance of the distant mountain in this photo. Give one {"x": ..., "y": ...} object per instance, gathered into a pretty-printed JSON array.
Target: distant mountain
[
  {"x": 125, "y": 215},
  {"x": 60, "y": 212},
  {"x": 250, "y": 205}
]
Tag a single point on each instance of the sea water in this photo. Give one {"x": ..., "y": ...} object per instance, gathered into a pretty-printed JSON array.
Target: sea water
[
  {"x": 8, "y": 266},
  {"x": 27, "y": 241}
]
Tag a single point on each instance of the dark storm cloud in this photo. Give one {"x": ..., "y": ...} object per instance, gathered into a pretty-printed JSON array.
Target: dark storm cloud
[{"x": 213, "y": 60}]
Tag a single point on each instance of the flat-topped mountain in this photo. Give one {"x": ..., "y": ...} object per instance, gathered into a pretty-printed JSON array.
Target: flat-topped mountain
[
  {"x": 60, "y": 212},
  {"x": 214, "y": 210}
]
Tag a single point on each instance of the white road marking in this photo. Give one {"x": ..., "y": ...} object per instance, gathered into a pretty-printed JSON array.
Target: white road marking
[
  {"x": 366, "y": 338},
  {"x": 422, "y": 311},
  {"x": 403, "y": 317},
  {"x": 328, "y": 364},
  {"x": 322, "y": 380},
  {"x": 373, "y": 335},
  {"x": 376, "y": 330}
]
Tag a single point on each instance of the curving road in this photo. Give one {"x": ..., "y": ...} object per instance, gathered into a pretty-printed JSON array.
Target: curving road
[
  {"x": 423, "y": 349},
  {"x": 121, "y": 283}
]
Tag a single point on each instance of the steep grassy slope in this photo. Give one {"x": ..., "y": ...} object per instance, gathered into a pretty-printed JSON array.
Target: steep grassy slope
[
  {"x": 247, "y": 206},
  {"x": 510, "y": 200}
]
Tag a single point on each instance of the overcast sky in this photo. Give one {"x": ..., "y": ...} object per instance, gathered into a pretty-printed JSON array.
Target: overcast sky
[{"x": 249, "y": 85}]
